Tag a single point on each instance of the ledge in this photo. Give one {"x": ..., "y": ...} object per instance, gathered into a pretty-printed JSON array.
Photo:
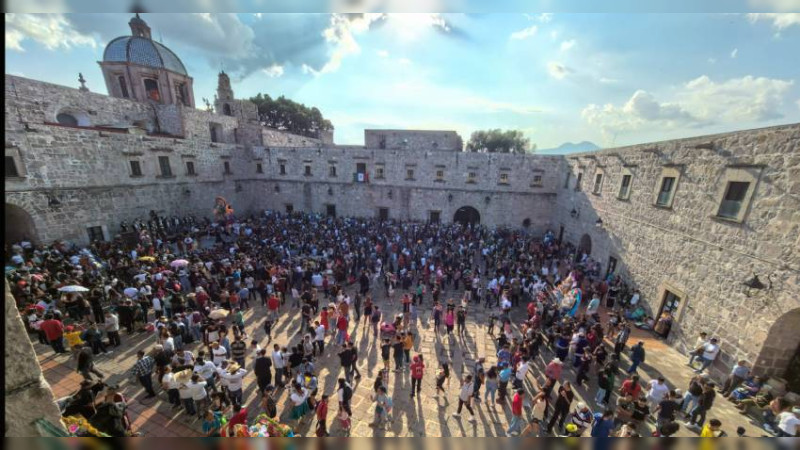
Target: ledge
[
  {"x": 668, "y": 208},
  {"x": 623, "y": 199},
  {"x": 472, "y": 182},
  {"x": 16, "y": 178},
  {"x": 411, "y": 179},
  {"x": 191, "y": 174},
  {"x": 728, "y": 220},
  {"x": 536, "y": 185},
  {"x": 165, "y": 176},
  {"x": 137, "y": 176},
  {"x": 438, "y": 181},
  {"x": 597, "y": 194}
]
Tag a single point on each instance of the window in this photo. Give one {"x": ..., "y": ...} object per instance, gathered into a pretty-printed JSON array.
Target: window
[
  {"x": 440, "y": 175},
  {"x": 472, "y": 177},
  {"x": 215, "y": 130},
  {"x": 434, "y": 216},
  {"x": 151, "y": 90},
  {"x": 289, "y": 208},
  {"x": 382, "y": 142},
  {"x": 136, "y": 168},
  {"x": 95, "y": 234},
  {"x": 665, "y": 193},
  {"x": 379, "y": 171},
  {"x": 227, "y": 166},
  {"x": 503, "y": 178},
  {"x": 578, "y": 181},
  {"x": 330, "y": 210},
  {"x": 123, "y": 86},
  {"x": 182, "y": 92},
  {"x": 361, "y": 168},
  {"x": 226, "y": 109},
  {"x": 163, "y": 163},
  {"x": 67, "y": 119},
  {"x": 734, "y": 197},
  {"x": 383, "y": 214},
  {"x": 259, "y": 168},
  {"x": 537, "y": 180},
  {"x": 332, "y": 171},
  {"x": 625, "y": 187},
  {"x": 190, "y": 168},
  {"x": 598, "y": 184},
  {"x": 409, "y": 174},
  {"x": 307, "y": 170},
  {"x": 566, "y": 180},
  {"x": 11, "y": 168},
  {"x": 283, "y": 168}
]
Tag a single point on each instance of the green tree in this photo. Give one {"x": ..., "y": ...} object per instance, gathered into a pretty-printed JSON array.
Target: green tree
[
  {"x": 285, "y": 114},
  {"x": 499, "y": 141}
]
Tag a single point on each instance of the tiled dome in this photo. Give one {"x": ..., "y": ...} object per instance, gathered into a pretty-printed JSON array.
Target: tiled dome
[{"x": 143, "y": 51}]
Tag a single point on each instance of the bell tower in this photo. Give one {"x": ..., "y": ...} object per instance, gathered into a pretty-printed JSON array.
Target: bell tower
[{"x": 139, "y": 27}]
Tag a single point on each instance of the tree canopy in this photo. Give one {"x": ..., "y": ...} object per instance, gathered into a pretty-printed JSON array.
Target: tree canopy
[
  {"x": 499, "y": 141},
  {"x": 284, "y": 114}
]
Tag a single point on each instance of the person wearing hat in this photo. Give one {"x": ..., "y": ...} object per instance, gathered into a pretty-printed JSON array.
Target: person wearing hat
[
  {"x": 581, "y": 417},
  {"x": 170, "y": 383},
  {"x": 233, "y": 376}
]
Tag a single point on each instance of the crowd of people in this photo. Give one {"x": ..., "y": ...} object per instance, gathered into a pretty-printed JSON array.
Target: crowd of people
[{"x": 191, "y": 284}]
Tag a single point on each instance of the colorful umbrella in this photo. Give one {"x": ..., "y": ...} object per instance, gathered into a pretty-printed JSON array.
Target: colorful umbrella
[
  {"x": 130, "y": 292},
  {"x": 219, "y": 314},
  {"x": 73, "y": 288},
  {"x": 147, "y": 258},
  {"x": 179, "y": 263}
]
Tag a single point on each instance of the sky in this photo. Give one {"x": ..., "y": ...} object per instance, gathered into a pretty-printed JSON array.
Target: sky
[{"x": 609, "y": 78}]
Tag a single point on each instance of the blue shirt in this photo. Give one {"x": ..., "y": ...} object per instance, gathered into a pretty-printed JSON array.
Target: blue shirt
[{"x": 602, "y": 428}]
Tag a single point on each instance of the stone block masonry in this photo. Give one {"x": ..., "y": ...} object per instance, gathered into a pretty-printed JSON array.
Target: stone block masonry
[{"x": 681, "y": 244}]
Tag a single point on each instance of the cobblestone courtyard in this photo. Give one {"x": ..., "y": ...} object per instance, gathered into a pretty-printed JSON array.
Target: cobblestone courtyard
[{"x": 426, "y": 415}]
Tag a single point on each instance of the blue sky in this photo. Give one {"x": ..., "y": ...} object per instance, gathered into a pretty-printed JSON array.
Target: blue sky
[{"x": 613, "y": 79}]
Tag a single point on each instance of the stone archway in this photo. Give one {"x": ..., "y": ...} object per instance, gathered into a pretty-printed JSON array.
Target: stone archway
[
  {"x": 19, "y": 225},
  {"x": 780, "y": 354},
  {"x": 585, "y": 246},
  {"x": 467, "y": 215}
]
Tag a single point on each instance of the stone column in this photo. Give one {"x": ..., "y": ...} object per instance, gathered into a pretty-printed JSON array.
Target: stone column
[{"x": 28, "y": 396}]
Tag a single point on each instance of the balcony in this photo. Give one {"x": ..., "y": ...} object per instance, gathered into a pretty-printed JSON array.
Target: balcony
[{"x": 361, "y": 177}]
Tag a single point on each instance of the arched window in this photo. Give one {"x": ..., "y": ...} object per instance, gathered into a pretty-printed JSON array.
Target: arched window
[
  {"x": 67, "y": 119},
  {"x": 123, "y": 87},
  {"x": 151, "y": 89},
  {"x": 182, "y": 94},
  {"x": 226, "y": 109}
]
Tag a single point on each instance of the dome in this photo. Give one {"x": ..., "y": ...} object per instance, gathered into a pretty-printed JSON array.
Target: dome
[{"x": 144, "y": 52}]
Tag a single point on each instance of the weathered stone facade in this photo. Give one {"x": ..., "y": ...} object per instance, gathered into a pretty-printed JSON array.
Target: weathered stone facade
[
  {"x": 28, "y": 397},
  {"x": 688, "y": 248},
  {"x": 72, "y": 178}
]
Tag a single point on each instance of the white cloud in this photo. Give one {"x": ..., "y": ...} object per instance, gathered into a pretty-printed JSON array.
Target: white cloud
[
  {"x": 52, "y": 31},
  {"x": 734, "y": 53},
  {"x": 545, "y": 17},
  {"x": 558, "y": 70},
  {"x": 697, "y": 103},
  {"x": 566, "y": 45},
  {"x": 525, "y": 33},
  {"x": 404, "y": 61},
  {"x": 383, "y": 53},
  {"x": 273, "y": 71},
  {"x": 779, "y": 20},
  {"x": 605, "y": 80},
  {"x": 712, "y": 60},
  {"x": 775, "y": 5}
]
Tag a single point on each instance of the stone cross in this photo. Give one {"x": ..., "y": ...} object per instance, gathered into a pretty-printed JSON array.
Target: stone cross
[{"x": 83, "y": 83}]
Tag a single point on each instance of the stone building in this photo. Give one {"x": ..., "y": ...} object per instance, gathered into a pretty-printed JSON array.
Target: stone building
[{"x": 686, "y": 221}]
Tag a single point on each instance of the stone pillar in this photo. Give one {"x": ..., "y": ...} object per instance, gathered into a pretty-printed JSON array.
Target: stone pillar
[{"x": 28, "y": 396}]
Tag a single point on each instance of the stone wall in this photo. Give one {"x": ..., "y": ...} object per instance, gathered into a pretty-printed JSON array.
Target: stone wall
[
  {"x": 412, "y": 139},
  {"x": 28, "y": 396},
  {"x": 687, "y": 248}
]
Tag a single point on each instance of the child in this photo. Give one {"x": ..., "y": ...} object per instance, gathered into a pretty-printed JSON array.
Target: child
[
  {"x": 441, "y": 377},
  {"x": 322, "y": 416},
  {"x": 491, "y": 324}
]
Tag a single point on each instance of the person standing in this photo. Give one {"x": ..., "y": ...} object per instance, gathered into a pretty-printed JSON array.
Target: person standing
[
  {"x": 603, "y": 424},
  {"x": 710, "y": 352},
  {"x": 279, "y": 365},
  {"x": 658, "y": 390},
  {"x": 622, "y": 339},
  {"x": 465, "y": 398},
  {"x": 111, "y": 325},
  {"x": 262, "y": 368},
  {"x": 637, "y": 356},
  {"x": 233, "y": 375},
  {"x": 239, "y": 350},
  {"x": 54, "y": 332},
  {"x": 417, "y": 371},
  {"x": 171, "y": 385},
  {"x": 706, "y": 401},
  {"x": 345, "y": 395},
  {"x": 397, "y": 348},
  {"x": 143, "y": 370},
  {"x": 516, "y": 414},
  {"x": 562, "y": 406}
]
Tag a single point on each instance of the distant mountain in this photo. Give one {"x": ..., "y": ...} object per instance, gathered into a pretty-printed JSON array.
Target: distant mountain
[{"x": 569, "y": 147}]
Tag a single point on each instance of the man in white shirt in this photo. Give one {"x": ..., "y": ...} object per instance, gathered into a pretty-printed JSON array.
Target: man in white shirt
[
  {"x": 234, "y": 375},
  {"x": 157, "y": 308},
  {"x": 789, "y": 423},
  {"x": 277, "y": 363},
  {"x": 710, "y": 352},
  {"x": 635, "y": 299},
  {"x": 319, "y": 337},
  {"x": 197, "y": 388},
  {"x": 658, "y": 390},
  {"x": 206, "y": 370}
]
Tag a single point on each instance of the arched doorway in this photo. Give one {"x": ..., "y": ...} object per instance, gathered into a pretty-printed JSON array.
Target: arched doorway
[
  {"x": 467, "y": 215},
  {"x": 19, "y": 225},
  {"x": 780, "y": 354},
  {"x": 585, "y": 246}
]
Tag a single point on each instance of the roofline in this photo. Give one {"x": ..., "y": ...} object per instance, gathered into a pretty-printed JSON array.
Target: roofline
[
  {"x": 126, "y": 63},
  {"x": 128, "y": 56}
]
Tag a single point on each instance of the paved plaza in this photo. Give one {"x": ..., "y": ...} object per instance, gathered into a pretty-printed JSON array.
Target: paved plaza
[{"x": 426, "y": 415}]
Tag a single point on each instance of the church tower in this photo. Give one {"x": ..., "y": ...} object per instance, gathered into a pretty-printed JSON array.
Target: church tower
[
  {"x": 139, "y": 27},
  {"x": 224, "y": 103}
]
